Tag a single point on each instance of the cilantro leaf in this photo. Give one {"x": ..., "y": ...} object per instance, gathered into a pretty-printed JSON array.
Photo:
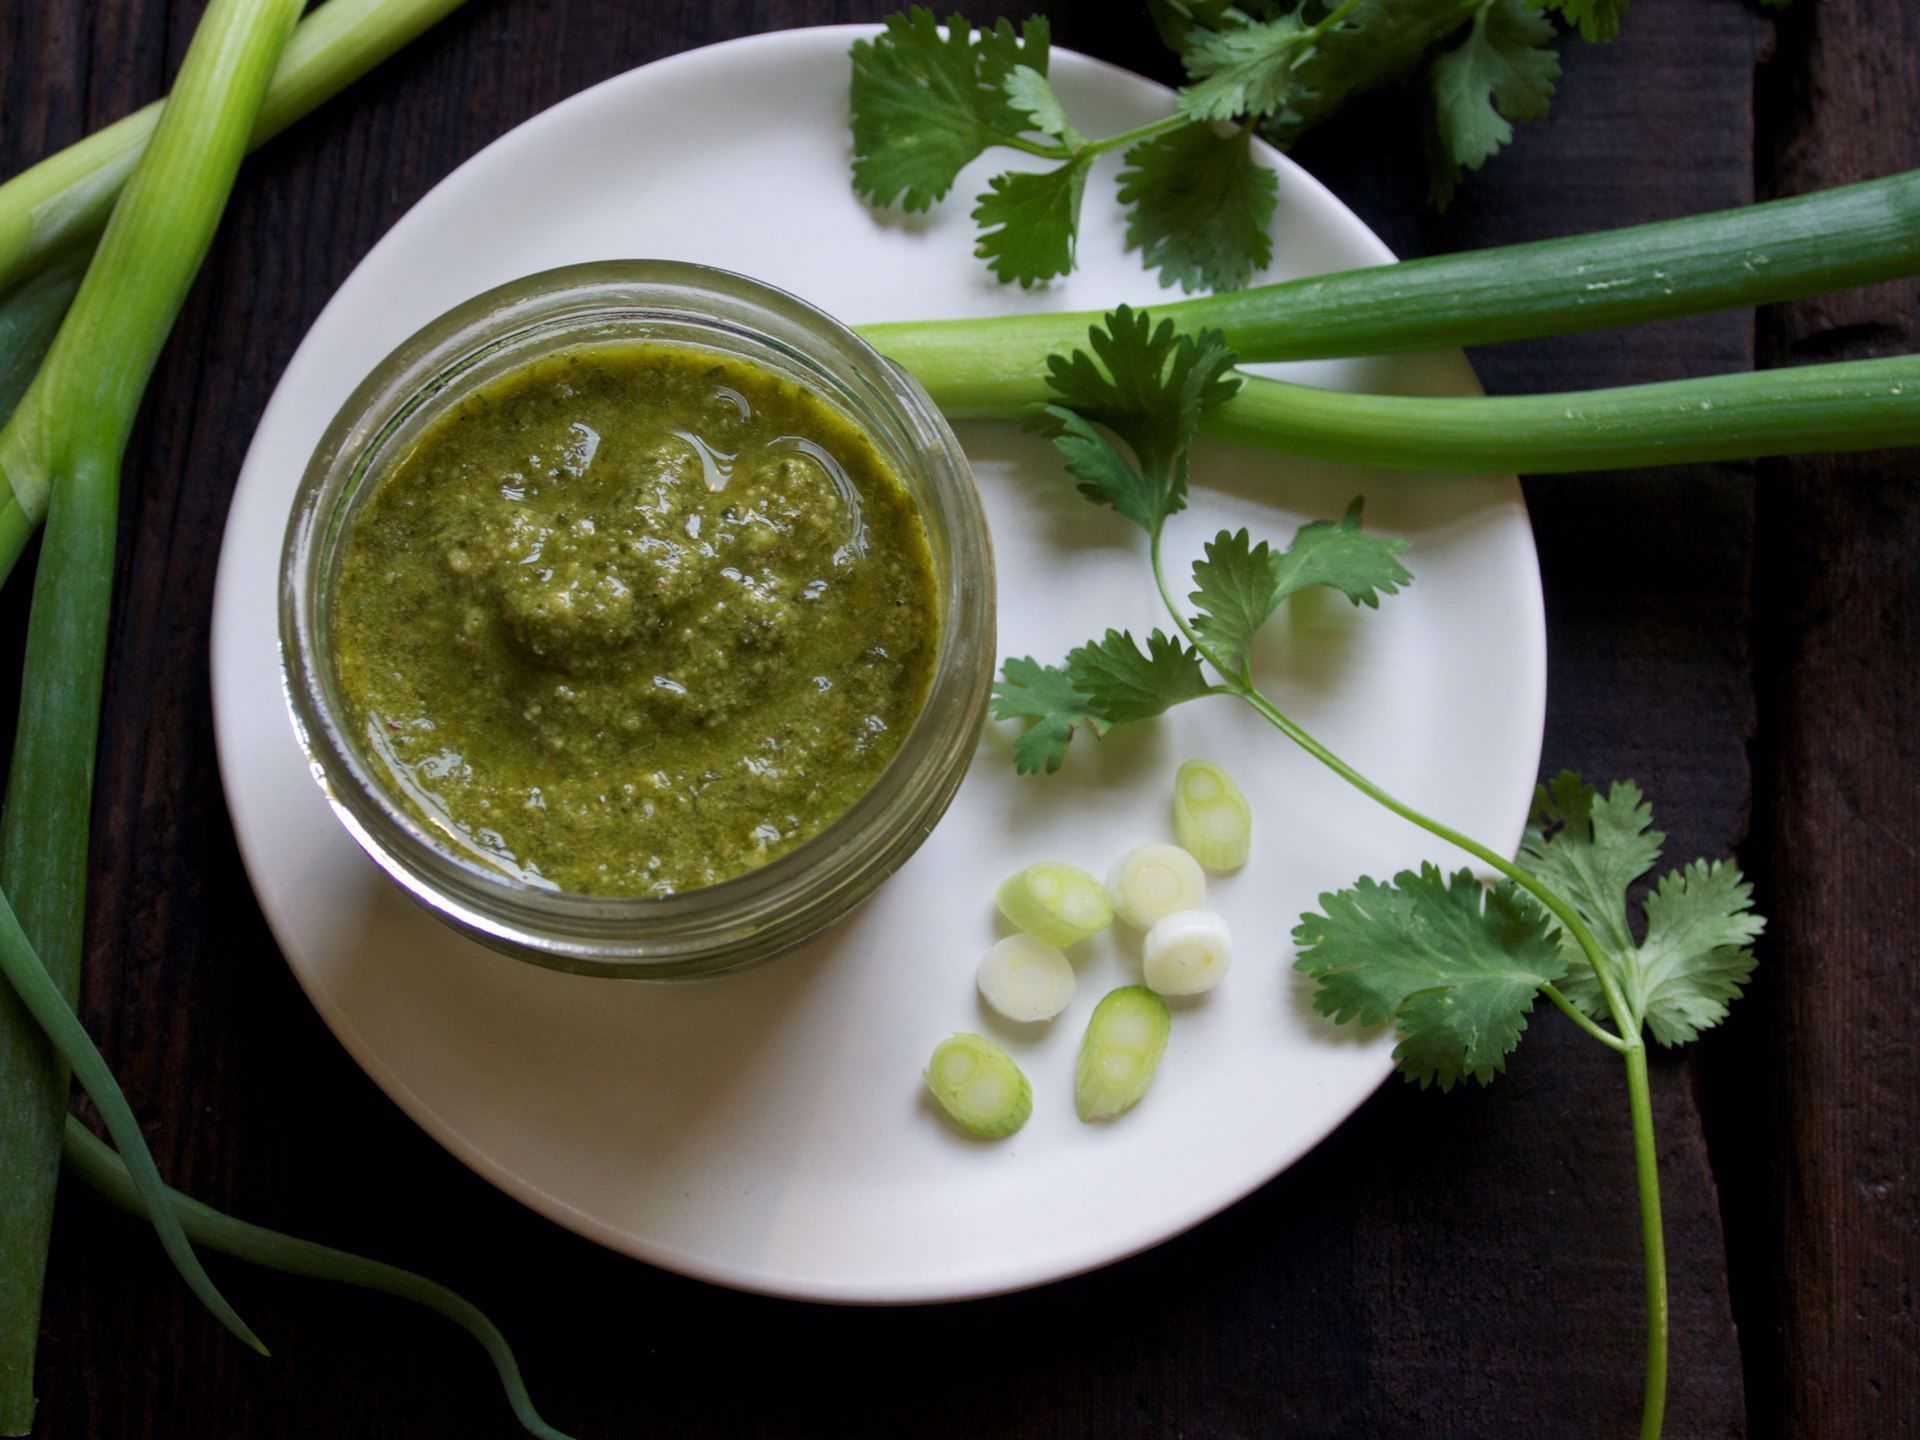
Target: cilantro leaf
[
  {"x": 1032, "y": 95},
  {"x": 1030, "y": 220},
  {"x": 1176, "y": 20},
  {"x": 1339, "y": 554},
  {"x": 1591, "y": 849},
  {"x": 1453, "y": 964},
  {"x": 1106, "y": 476},
  {"x": 925, "y": 104},
  {"x": 1239, "y": 585},
  {"x": 1127, "y": 684},
  {"x": 1199, "y": 207},
  {"x": 1379, "y": 43},
  {"x": 1234, "y": 592},
  {"x": 1150, "y": 387},
  {"x": 1598, "y": 19},
  {"x": 1047, "y": 694},
  {"x": 1248, "y": 70},
  {"x": 1697, "y": 954},
  {"x": 1503, "y": 71},
  {"x": 1695, "y": 958}
]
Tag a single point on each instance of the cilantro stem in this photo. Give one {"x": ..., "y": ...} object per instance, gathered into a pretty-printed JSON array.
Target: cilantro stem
[
  {"x": 1579, "y": 1017},
  {"x": 1628, "y": 1043},
  {"x": 1646, "y": 1163},
  {"x": 1239, "y": 683},
  {"x": 1034, "y": 147},
  {"x": 1236, "y": 680},
  {"x": 1526, "y": 880},
  {"x": 1134, "y": 136},
  {"x": 1330, "y": 19}
]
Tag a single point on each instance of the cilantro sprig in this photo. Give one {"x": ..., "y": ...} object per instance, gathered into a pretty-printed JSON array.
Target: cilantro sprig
[
  {"x": 927, "y": 100},
  {"x": 1455, "y": 964}
]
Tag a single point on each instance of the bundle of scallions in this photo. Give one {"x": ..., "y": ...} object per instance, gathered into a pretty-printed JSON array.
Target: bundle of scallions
[{"x": 98, "y": 246}]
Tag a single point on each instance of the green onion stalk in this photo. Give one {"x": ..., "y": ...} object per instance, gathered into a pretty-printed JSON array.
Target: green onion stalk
[
  {"x": 993, "y": 368},
  {"x": 61, "y": 450},
  {"x": 104, "y": 1172},
  {"x": 51, "y": 215}
]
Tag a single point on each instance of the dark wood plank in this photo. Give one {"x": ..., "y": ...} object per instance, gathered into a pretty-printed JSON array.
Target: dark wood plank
[
  {"x": 1463, "y": 1265},
  {"x": 1815, "y": 1121}
]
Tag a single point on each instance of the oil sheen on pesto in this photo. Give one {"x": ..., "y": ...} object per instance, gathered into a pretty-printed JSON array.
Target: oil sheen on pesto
[{"x": 635, "y": 618}]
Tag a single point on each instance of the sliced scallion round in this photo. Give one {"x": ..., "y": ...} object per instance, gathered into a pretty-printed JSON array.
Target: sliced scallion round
[
  {"x": 1152, "y": 881},
  {"x": 979, "y": 1086},
  {"x": 1026, "y": 979},
  {"x": 1124, "y": 1042},
  {"x": 1211, "y": 816},
  {"x": 1055, "y": 903},
  {"x": 1186, "y": 953}
]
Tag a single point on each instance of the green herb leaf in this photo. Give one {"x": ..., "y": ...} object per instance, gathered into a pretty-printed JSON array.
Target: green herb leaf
[
  {"x": 1248, "y": 70},
  {"x": 1700, "y": 921},
  {"x": 925, "y": 104},
  {"x": 1106, "y": 476},
  {"x": 1600, "y": 19},
  {"x": 1150, "y": 387},
  {"x": 1199, "y": 206},
  {"x": 1047, "y": 695},
  {"x": 1503, "y": 71},
  {"x": 1342, "y": 556},
  {"x": 1127, "y": 684},
  {"x": 1234, "y": 592},
  {"x": 1453, "y": 964},
  {"x": 1031, "y": 93},
  {"x": 1239, "y": 585},
  {"x": 1029, "y": 221},
  {"x": 1176, "y": 20}
]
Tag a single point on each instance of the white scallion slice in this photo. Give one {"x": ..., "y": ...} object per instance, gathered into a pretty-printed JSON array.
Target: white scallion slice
[
  {"x": 1151, "y": 881},
  {"x": 1055, "y": 903},
  {"x": 1211, "y": 816},
  {"x": 1124, "y": 1042},
  {"x": 1026, "y": 979},
  {"x": 1187, "y": 952},
  {"x": 979, "y": 1086}
]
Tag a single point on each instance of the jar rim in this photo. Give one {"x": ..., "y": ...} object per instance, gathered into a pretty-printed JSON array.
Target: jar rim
[{"x": 798, "y": 893}]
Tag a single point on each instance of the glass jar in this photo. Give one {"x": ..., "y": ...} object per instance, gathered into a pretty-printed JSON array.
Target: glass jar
[{"x": 790, "y": 898}]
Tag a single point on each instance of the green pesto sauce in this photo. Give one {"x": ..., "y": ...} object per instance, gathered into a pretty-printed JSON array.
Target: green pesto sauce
[{"x": 635, "y": 618}]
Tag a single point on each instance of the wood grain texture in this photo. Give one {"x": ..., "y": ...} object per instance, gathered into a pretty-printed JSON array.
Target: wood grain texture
[
  {"x": 1813, "y": 1108},
  {"x": 1444, "y": 1266}
]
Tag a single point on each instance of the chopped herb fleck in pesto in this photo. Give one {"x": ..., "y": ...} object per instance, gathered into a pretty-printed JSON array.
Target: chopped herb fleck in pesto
[{"x": 635, "y": 618}]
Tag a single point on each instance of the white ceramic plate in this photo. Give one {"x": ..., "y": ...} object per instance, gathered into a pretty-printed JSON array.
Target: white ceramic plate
[{"x": 768, "y": 1131}]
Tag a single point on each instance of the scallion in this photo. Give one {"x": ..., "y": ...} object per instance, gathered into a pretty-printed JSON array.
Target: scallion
[
  {"x": 1121, "y": 1052},
  {"x": 1756, "y": 255},
  {"x": 1057, "y": 904},
  {"x": 106, "y": 1173},
  {"x": 1025, "y": 979},
  {"x": 1211, "y": 816},
  {"x": 51, "y": 214},
  {"x": 979, "y": 1086},
  {"x": 1187, "y": 953},
  {"x": 64, "y": 443},
  {"x": 74, "y": 1048},
  {"x": 1152, "y": 881}
]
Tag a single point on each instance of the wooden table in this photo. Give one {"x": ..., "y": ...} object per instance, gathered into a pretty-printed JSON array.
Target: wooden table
[{"x": 1739, "y": 638}]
